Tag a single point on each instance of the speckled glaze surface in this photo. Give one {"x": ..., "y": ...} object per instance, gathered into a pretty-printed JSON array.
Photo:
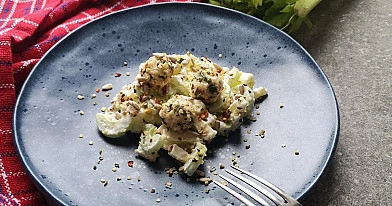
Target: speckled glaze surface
[{"x": 48, "y": 123}]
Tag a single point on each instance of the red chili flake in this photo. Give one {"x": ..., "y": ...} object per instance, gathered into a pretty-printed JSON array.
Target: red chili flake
[
  {"x": 97, "y": 90},
  {"x": 164, "y": 90},
  {"x": 225, "y": 115},
  {"x": 130, "y": 163},
  {"x": 203, "y": 115},
  {"x": 117, "y": 74},
  {"x": 150, "y": 140}
]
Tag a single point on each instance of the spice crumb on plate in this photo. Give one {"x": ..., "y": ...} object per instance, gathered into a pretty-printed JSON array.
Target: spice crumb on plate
[
  {"x": 130, "y": 163},
  {"x": 80, "y": 97},
  {"x": 106, "y": 87},
  {"x": 169, "y": 184}
]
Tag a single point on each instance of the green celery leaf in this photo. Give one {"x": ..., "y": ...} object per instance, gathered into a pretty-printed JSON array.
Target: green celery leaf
[{"x": 288, "y": 9}]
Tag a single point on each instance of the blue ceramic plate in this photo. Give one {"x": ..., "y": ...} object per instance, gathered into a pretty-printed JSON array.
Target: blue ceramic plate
[{"x": 47, "y": 121}]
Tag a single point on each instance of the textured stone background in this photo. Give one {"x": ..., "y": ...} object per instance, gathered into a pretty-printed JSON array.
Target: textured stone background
[{"x": 352, "y": 42}]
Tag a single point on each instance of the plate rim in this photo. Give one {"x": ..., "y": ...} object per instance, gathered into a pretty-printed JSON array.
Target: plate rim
[{"x": 42, "y": 187}]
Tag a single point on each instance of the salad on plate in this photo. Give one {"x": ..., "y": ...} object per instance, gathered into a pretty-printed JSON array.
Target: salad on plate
[{"x": 179, "y": 103}]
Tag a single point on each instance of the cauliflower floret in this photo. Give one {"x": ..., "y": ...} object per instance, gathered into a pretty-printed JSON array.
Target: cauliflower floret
[
  {"x": 113, "y": 125},
  {"x": 176, "y": 113},
  {"x": 206, "y": 85},
  {"x": 156, "y": 71},
  {"x": 180, "y": 112}
]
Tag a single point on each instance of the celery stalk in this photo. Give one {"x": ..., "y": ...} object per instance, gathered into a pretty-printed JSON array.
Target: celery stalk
[
  {"x": 303, "y": 7},
  {"x": 287, "y": 15}
]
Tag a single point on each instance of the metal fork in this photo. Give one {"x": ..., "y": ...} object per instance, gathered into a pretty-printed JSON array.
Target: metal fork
[{"x": 286, "y": 200}]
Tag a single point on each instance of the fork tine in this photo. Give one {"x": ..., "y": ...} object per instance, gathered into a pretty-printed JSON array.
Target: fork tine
[
  {"x": 286, "y": 197},
  {"x": 235, "y": 194},
  {"x": 254, "y": 185},
  {"x": 245, "y": 190}
]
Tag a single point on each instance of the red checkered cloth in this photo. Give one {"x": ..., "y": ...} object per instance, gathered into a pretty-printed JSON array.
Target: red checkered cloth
[{"x": 28, "y": 28}]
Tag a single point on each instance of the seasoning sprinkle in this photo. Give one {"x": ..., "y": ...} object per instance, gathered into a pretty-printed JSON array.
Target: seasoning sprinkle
[
  {"x": 90, "y": 142},
  {"x": 81, "y": 136},
  {"x": 169, "y": 184},
  {"x": 205, "y": 180},
  {"x": 107, "y": 87},
  {"x": 200, "y": 173},
  {"x": 221, "y": 166},
  {"x": 262, "y": 133},
  {"x": 80, "y": 97},
  {"x": 223, "y": 183}
]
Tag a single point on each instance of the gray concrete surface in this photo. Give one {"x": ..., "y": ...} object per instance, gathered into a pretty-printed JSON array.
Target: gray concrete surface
[{"x": 352, "y": 42}]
